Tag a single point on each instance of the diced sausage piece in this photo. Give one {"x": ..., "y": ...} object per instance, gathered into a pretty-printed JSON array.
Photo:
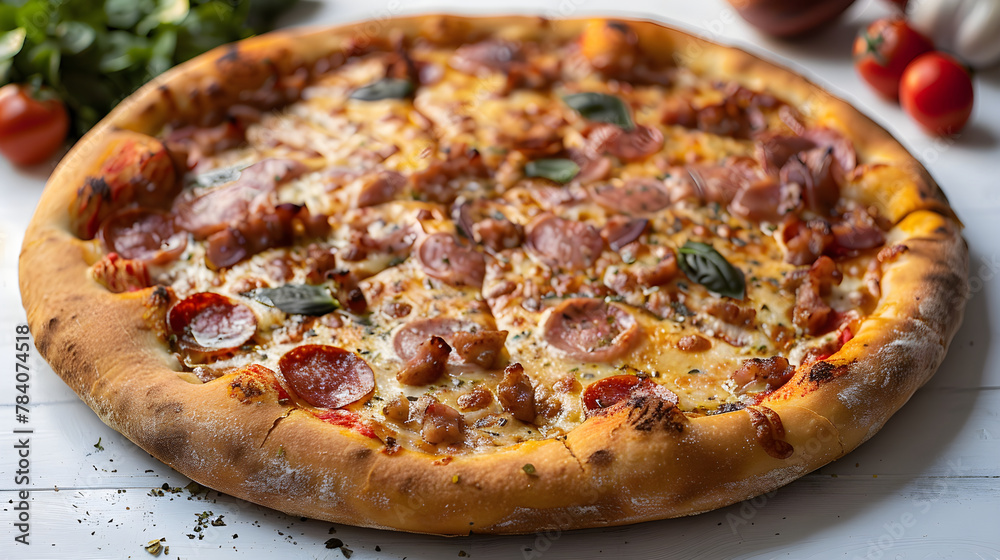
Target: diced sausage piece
[
  {"x": 326, "y": 376},
  {"x": 516, "y": 395},
  {"x": 380, "y": 188},
  {"x": 235, "y": 202},
  {"x": 483, "y": 348},
  {"x": 609, "y": 45},
  {"x": 441, "y": 424},
  {"x": 759, "y": 201},
  {"x": 694, "y": 343},
  {"x": 591, "y": 330},
  {"x": 476, "y": 399},
  {"x": 133, "y": 169},
  {"x": 427, "y": 365},
  {"x": 774, "y": 371},
  {"x": 564, "y": 244},
  {"x": 498, "y": 235},
  {"x": 638, "y": 196},
  {"x": 121, "y": 275},
  {"x": 443, "y": 258},
  {"x": 209, "y": 324},
  {"x": 144, "y": 235},
  {"x": 397, "y": 409}
]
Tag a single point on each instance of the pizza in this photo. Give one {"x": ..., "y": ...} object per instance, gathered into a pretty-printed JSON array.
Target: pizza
[{"x": 493, "y": 275}]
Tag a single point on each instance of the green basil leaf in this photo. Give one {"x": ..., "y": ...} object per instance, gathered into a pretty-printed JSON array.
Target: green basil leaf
[
  {"x": 74, "y": 37},
  {"x": 558, "y": 170},
  {"x": 386, "y": 88},
  {"x": 300, "y": 299},
  {"x": 704, "y": 265},
  {"x": 601, "y": 107}
]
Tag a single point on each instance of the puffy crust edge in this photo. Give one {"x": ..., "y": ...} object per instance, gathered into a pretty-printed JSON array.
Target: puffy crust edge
[{"x": 605, "y": 472}]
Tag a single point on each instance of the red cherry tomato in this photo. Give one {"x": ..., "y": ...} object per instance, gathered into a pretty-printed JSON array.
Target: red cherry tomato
[
  {"x": 882, "y": 51},
  {"x": 937, "y": 92},
  {"x": 31, "y": 129}
]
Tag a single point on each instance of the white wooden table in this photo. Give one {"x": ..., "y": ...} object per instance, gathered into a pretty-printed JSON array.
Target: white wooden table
[{"x": 927, "y": 486}]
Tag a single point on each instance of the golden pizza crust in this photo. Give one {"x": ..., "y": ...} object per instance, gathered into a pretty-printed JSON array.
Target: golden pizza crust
[{"x": 640, "y": 463}]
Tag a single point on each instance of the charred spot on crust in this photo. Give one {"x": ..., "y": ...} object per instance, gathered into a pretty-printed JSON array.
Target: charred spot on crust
[
  {"x": 43, "y": 339},
  {"x": 232, "y": 54},
  {"x": 646, "y": 413},
  {"x": 601, "y": 458},
  {"x": 170, "y": 445},
  {"x": 245, "y": 389},
  {"x": 728, "y": 407},
  {"x": 360, "y": 454},
  {"x": 821, "y": 372},
  {"x": 159, "y": 296}
]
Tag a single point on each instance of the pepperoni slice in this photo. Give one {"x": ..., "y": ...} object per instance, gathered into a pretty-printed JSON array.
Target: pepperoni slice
[
  {"x": 211, "y": 324},
  {"x": 443, "y": 258},
  {"x": 619, "y": 232},
  {"x": 143, "y": 235},
  {"x": 564, "y": 244},
  {"x": 234, "y": 202},
  {"x": 643, "y": 195},
  {"x": 326, "y": 376},
  {"x": 591, "y": 329},
  {"x": 601, "y": 395}
]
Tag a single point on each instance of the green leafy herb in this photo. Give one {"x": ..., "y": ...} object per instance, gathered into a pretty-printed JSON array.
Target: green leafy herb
[
  {"x": 94, "y": 53},
  {"x": 386, "y": 88},
  {"x": 704, "y": 265},
  {"x": 528, "y": 469},
  {"x": 98, "y": 445},
  {"x": 558, "y": 170},
  {"x": 601, "y": 107},
  {"x": 300, "y": 299}
]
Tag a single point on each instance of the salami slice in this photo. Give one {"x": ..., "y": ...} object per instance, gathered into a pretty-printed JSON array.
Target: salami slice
[
  {"x": 564, "y": 244},
  {"x": 637, "y": 196},
  {"x": 599, "y": 397},
  {"x": 143, "y": 235},
  {"x": 326, "y": 376},
  {"x": 211, "y": 324},
  {"x": 591, "y": 329},
  {"x": 443, "y": 258}
]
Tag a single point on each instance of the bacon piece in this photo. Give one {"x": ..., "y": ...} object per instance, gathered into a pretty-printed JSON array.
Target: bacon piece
[
  {"x": 133, "y": 169},
  {"x": 857, "y": 231},
  {"x": 191, "y": 144},
  {"x": 638, "y": 196},
  {"x": 145, "y": 235},
  {"x": 443, "y": 258},
  {"x": 760, "y": 200},
  {"x": 483, "y": 348},
  {"x": 591, "y": 330},
  {"x": 731, "y": 313},
  {"x": 564, "y": 244},
  {"x": 235, "y": 202},
  {"x": 326, "y": 376},
  {"x": 810, "y": 312},
  {"x": 805, "y": 241},
  {"x": 435, "y": 183},
  {"x": 427, "y": 365},
  {"x": 775, "y": 149},
  {"x": 380, "y": 188},
  {"x": 662, "y": 272},
  {"x": 843, "y": 150},
  {"x": 209, "y": 324},
  {"x": 812, "y": 171},
  {"x": 121, "y": 275},
  {"x": 774, "y": 371},
  {"x": 441, "y": 424},
  {"x": 516, "y": 394}
]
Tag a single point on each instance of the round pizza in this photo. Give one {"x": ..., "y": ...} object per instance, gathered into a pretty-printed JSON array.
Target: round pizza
[{"x": 497, "y": 275}]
